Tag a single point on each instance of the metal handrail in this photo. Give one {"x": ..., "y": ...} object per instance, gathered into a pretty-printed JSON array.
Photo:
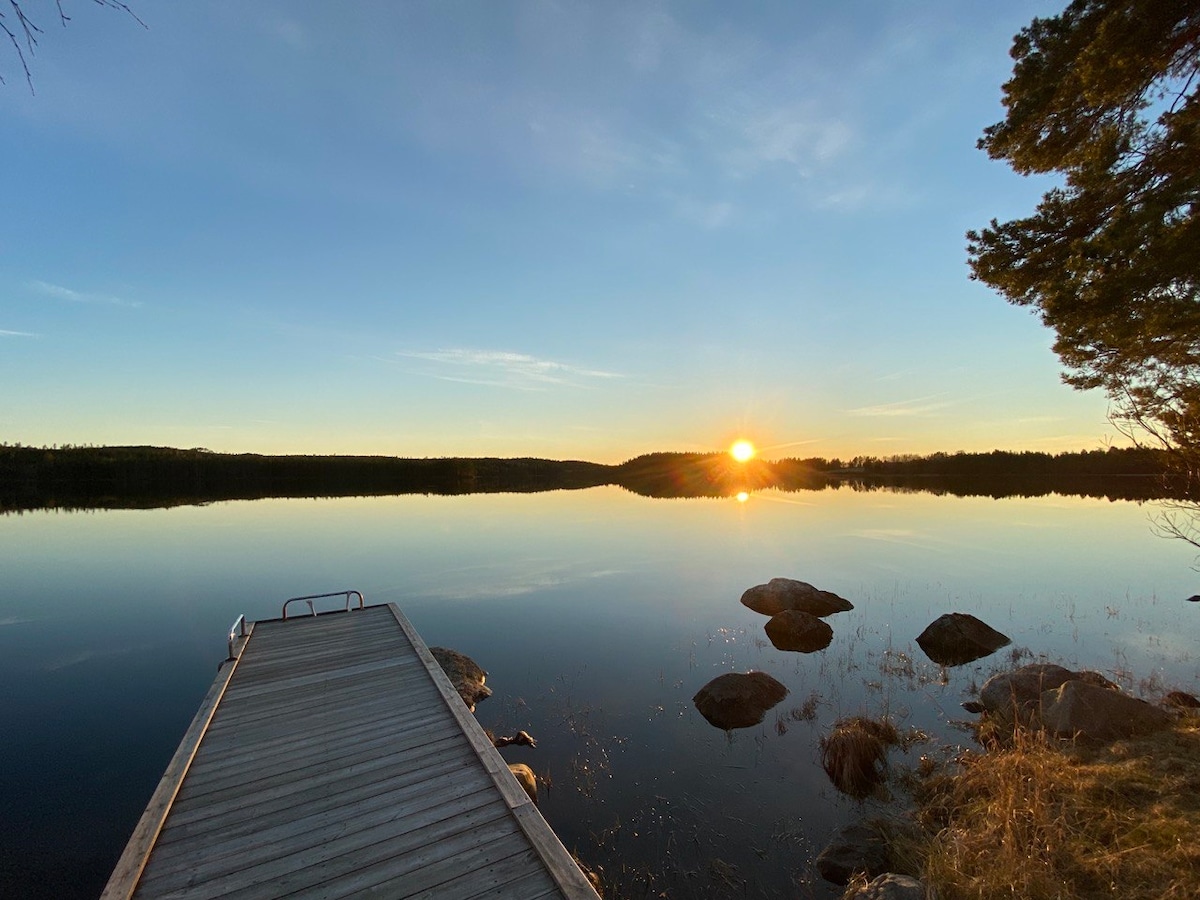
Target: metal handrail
[
  {"x": 311, "y": 597},
  {"x": 236, "y": 631}
]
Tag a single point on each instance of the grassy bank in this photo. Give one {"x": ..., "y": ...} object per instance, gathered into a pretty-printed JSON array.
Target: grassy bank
[{"x": 1040, "y": 819}]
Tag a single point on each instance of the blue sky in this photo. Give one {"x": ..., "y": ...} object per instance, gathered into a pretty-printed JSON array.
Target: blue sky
[{"x": 560, "y": 229}]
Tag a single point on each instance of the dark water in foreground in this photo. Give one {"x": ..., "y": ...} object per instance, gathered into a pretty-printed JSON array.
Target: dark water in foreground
[{"x": 598, "y": 615}]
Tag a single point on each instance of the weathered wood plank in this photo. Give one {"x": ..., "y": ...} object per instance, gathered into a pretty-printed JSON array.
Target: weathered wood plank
[
  {"x": 256, "y": 788},
  {"x": 299, "y": 710},
  {"x": 303, "y": 753},
  {"x": 241, "y": 819},
  {"x": 312, "y": 867},
  {"x": 302, "y": 838},
  {"x": 420, "y": 868},
  {"x": 205, "y": 809},
  {"x": 294, "y": 749},
  {"x": 515, "y": 876},
  {"x": 306, "y": 823}
]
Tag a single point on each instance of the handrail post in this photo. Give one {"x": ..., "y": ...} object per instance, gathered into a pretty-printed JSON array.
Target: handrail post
[{"x": 237, "y": 630}]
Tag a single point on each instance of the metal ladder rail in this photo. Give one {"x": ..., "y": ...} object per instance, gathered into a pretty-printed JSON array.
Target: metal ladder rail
[{"x": 311, "y": 597}]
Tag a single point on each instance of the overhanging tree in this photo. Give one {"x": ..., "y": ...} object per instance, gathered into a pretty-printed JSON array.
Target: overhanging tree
[{"x": 1105, "y": 95}]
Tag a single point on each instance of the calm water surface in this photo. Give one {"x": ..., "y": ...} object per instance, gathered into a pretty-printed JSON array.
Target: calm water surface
[{"x": 598, "y": 615}]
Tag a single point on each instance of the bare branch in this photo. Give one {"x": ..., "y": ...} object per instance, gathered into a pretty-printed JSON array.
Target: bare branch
[{"x": 30, "y": 31}]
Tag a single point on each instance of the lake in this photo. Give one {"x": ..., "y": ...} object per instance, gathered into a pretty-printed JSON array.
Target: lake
[{"x": 598, "y": 615}]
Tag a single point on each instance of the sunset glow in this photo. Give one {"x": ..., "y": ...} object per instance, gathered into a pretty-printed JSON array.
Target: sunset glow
[{"x": 742, "y": 451}]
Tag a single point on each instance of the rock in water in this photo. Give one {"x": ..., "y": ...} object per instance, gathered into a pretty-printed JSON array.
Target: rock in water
[
  {"x": 525, "y": 778},
  {"x": 859, "y": 847},
  {"x": 780, "y": 594},
  {"x": 738, "y": 701},
  {"x": 1079, "y": 709},
  {"x": 958, "y": 638},
  {"x": 464, "y": 673},
  {"x": 1180, "y": 700},
  {"x": 798, "y": 631}
]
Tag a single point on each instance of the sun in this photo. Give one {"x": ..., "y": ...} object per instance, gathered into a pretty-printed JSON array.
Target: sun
[{"x": 742, "y": 451}]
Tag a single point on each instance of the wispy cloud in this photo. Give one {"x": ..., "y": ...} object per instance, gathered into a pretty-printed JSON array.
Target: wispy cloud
[
  {"x": 291, "y": 33},
  {"x": 799, "y": 135},
  {"x": 6, "y": 333},
  {"x": 497, "y": 368},
  {"x": 63, "y": 293},
  {"x": 922, "y": 406}
]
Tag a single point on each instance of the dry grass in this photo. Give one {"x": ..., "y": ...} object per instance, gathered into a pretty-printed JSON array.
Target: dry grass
[
  {"x": 1041, "y": 820},
  {"x": 854, "y": 754}
]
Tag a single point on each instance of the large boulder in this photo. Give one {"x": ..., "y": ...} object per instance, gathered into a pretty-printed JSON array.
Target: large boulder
[
  {"x": 780, "y": 594},
  {"x": 855, "y": 848},
  {"x": 1079, "y": 709},
  {"x": 798, "y": 631},
  {"x": 738, "y": 701},
  {"x": 464, "y": 673},
  {"x": 958, "y": 638}
]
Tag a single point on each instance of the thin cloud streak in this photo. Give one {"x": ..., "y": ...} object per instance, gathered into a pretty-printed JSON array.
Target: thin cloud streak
[
  {"x": 6, "y": 333},
  {"x": 498, "y": 368},
  {"x": 64, "y": 293},
  {"x": 919, "y": 407}
]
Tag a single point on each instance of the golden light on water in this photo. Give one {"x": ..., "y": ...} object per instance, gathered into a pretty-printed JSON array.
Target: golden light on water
[{"x": 742, "y": 451}]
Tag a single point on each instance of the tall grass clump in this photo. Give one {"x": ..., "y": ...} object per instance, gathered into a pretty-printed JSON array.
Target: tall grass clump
[
  {"x": 854, "y": 754},
  {"x": 1042, "y": 819}
]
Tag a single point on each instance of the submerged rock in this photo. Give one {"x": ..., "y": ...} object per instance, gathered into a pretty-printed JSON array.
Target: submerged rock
[
  {"x": 798, "y": 631},
  {"x": 1180, "y": 700},
  {"x": 520, "y": 739},
  {"x": 958, "y": 638},
  {"x": 891, "y": 886},
  {"x": 781, "y": 594},
  {"x": 852, "y": 849},
  {"x": 738, "y": 701},
  {"x": 464, "y": 673}
]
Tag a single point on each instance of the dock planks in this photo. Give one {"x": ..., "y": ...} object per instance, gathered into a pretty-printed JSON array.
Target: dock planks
[{"x": 332, "y": 758}]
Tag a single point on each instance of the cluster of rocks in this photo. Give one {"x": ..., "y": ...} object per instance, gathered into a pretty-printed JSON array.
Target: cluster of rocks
[
  {"x": 862, "y": 849},
  {"x": 796, "y": 609},
  {"x": 737, "y": 700},
  {"x": 468, "y": 679}
]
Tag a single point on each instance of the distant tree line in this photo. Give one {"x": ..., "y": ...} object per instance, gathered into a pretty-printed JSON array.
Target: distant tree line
[
  {"x": 133, "y": 477},
  {"x": 98, "y": 477},
  {"x": 1025, "y": 463}
]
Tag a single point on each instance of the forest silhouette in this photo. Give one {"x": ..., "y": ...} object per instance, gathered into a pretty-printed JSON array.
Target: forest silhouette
[{"x": 147, "y": 477}]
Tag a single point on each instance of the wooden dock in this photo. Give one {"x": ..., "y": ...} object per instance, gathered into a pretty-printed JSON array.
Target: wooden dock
[{"x": 333, "y": 758}]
